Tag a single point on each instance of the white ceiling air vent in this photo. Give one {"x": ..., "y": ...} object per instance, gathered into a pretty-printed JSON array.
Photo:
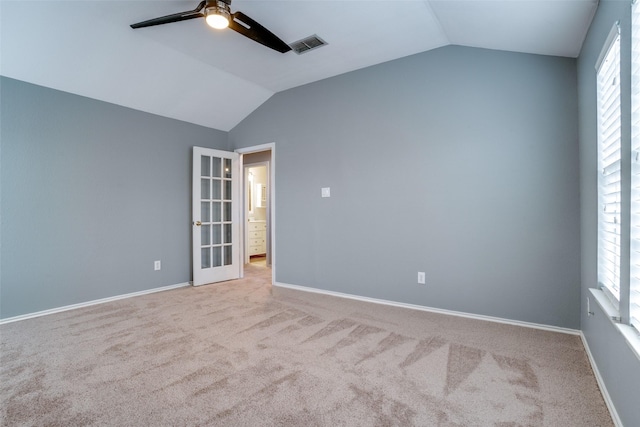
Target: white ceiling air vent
[{"x": 307, "y": 44}]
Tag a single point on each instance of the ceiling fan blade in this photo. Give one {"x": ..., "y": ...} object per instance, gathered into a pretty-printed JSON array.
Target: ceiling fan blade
[
  {"x": 181, "y": 16},
  {"x": 246, "y": 26}
]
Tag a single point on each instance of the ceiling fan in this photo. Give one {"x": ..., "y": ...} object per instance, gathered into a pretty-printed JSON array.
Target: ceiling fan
[{"x": 218, "y": 15}]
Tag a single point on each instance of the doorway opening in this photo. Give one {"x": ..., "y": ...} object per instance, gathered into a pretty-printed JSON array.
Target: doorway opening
[
  {"x": 257, "y": 206},
  {"x": 258, "y": 230}
]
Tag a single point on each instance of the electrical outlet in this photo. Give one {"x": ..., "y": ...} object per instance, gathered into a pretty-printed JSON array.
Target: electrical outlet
[
  {"x": 421, "y": 278},
  {"x": 157, "y": 265}
]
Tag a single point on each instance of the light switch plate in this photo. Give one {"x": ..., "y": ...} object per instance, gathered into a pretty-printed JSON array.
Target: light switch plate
[
  {"x": 421, "y": 278},
  {"x": 326, "y": 192}
]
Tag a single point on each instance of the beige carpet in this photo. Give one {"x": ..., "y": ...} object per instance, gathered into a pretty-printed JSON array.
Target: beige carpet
[{"x": 238, "y": 354}]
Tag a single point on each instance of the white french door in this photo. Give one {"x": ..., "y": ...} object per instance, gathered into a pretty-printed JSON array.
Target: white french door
[{"x": 216, "y": 216}]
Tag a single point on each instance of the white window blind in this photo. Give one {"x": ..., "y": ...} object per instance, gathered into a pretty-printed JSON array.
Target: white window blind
[
  {"x": 635, "y": 167},
  {"x": 608, "y": 97}
]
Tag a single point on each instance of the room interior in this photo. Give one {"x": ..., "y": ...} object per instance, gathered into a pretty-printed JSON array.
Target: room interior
[
  {"x": 257, "y": 212},
  {"x": 461, "y": 144}
]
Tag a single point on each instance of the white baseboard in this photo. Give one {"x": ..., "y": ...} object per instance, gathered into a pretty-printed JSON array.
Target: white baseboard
[
  {"x": 603, "y": 387},
  {"x": 431, "y": 309},
  {"x": 89, "y": 303}
]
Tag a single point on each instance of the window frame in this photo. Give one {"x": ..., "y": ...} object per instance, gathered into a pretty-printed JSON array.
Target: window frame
[
  {"x": 624, "y": 312},
  {"x": 610, "y": 221},
  {"x": 634, "y": 282}
]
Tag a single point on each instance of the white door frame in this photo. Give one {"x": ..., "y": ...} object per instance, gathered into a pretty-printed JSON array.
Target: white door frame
[{"x": 271, "y": 216}]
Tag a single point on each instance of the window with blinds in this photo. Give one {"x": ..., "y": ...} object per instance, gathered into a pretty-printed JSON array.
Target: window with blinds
[
  {"x": 634, "y": 300},
  {"x": 609, "y": 153}
]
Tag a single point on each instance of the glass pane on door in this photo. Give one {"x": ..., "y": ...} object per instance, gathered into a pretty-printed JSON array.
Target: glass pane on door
[
  {"x": 228, "y": 257},
  {"x": 217, "y": 211},
  {"x": 217, "y": 239},
  {"x": 217, "y": 192},
  {"x": 205, "y": 235},
  {"x": 205, "y": 259},
  {"x": 227, "y": 190},
  {"x": 217, "y": 255},
  {"x": 205, "y": 188},
  {"x": 205, "y": 166},
  {"x": 227, "y": 168},
  {"x": 205, "y": 211},
  {"x": 227, "y": 233},
  {"x": 216, "y": 167}
]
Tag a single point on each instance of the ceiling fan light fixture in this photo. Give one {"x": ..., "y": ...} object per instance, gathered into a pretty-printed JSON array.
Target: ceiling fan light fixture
[{"x": 218, "y": 16}]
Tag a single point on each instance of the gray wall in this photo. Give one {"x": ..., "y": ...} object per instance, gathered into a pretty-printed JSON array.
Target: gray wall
[
  {"x": 92, "y": 194},
  {"x": 459, "y": 162},
  {"x": 619, "y": 367}
]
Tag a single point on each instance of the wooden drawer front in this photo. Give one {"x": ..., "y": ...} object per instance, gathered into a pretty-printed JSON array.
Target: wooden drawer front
[
  {"x": 257, "y": 226},
  {"x": 256, "y": 235},
  {"x": 255, "y": 250},
  {"x": 256, "y": 242}
]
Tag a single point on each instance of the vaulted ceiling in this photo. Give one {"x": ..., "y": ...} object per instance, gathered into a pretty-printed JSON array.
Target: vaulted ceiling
[{"x": 216, "y": 78}]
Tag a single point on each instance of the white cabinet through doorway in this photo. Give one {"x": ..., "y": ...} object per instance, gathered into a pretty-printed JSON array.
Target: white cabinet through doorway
[{"x": 257, "y": 237}]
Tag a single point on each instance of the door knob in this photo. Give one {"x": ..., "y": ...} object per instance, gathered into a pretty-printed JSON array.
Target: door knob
[{"x": 197, "y": 223}]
